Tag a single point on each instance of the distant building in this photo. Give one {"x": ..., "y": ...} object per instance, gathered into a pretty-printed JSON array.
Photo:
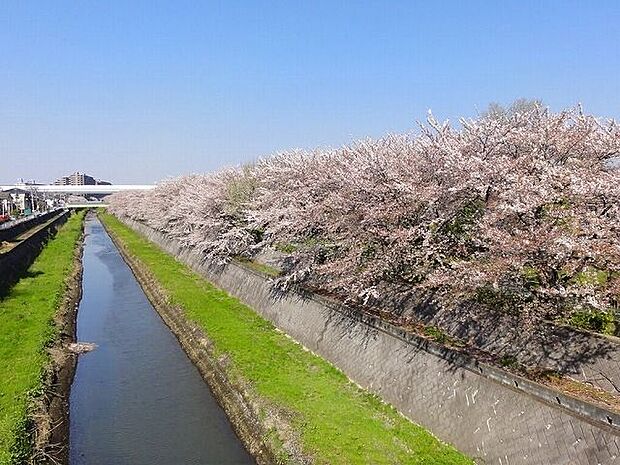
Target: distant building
[
  {"x": 79, "y": 179},
  {"x": 21, "y": 182},
  {"x": 76, "y": 179}
]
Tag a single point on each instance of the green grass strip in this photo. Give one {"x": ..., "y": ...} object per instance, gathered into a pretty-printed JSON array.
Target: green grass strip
[
  {"x": 260, "y": 267},
  {"x": 338, "y": 422},
  {"x": 26, "y": 328}
]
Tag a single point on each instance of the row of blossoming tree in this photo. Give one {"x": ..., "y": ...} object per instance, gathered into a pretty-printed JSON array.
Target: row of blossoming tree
[{"x": 517, "y": 212}]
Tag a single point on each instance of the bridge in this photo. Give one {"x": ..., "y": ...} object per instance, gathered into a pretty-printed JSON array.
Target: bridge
[
  {"x": 86, "y": 205},
  {"x": 96, "y": 189}
]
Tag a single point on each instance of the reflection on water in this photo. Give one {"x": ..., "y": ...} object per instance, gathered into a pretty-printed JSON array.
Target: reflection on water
[{"x": 136, "y": 398}]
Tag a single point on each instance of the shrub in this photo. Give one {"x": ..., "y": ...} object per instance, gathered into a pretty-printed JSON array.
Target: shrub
[{"x": 594, "y": 320}]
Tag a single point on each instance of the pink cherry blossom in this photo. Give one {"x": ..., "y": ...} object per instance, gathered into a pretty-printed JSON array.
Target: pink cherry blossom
[{"x": 523, "y": 206}]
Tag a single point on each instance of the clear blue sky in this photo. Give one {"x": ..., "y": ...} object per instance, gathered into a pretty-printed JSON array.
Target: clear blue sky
[{"x": 137, "y": 91}]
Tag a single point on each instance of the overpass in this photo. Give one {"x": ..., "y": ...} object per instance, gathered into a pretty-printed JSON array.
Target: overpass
[
  {"x": 86, "y": 205},
  {"x": 96, "y": 189}
]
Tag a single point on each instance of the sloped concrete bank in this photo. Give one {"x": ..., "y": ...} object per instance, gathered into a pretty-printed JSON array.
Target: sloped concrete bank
[
  {"x": 584, "y": 356},
  {"x": 486, "y": 412},
  {"x": 19, "y": 256},
  {"x": 11, "y": 232}
]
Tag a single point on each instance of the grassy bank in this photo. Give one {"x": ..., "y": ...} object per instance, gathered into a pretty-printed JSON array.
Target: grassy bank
[
  {"x": 26, "y": 329},
  {"x": 337, "y": 422}
]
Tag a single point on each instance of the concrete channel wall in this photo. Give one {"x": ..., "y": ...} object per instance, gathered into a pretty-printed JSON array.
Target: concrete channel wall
[
  {"x": 15, "y": 261},
  {"x": 491, "y": 415},
  {"x": 10, "y": 233}
]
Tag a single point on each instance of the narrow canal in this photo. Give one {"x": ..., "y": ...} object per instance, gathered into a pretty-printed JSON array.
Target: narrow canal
[{"x": 137, "y": 399}]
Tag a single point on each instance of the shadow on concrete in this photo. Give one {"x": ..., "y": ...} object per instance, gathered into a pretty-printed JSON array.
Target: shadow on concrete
[{"x": 481, "y": 335}]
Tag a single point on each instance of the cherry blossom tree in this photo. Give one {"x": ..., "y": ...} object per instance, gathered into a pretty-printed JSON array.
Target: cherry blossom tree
[{"x": 518, "y": 213}]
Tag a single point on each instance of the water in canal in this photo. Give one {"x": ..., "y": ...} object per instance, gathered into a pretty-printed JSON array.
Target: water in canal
[{"x": 137, "y": 399}]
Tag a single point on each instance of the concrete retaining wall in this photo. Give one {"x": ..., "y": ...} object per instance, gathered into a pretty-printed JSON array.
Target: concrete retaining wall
[
  {"x": 490, "y": 414},
  {"x": 16, "y": 261},
  {"x": 585, "y": 356},
  {"x": 8, "y": 234}
]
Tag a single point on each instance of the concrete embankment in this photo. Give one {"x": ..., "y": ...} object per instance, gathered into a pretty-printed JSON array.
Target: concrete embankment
[
  {"x": 490, "y": 414},
  {"x": 18, "y": 249},
  {"x": 10, "y": 230}
]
